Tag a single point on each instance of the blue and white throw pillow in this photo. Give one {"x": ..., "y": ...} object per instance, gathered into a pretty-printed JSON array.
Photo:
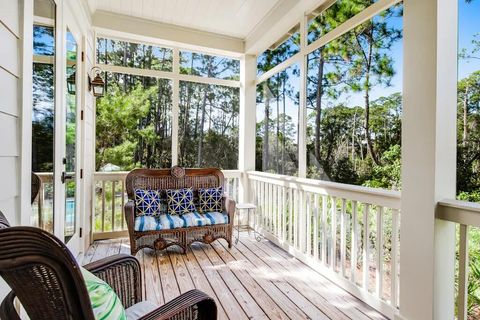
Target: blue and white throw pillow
[
  {"x": 210, "y": 199},
  {"x": 148, "y": 202},
  {"x": 180, "y": 201}
]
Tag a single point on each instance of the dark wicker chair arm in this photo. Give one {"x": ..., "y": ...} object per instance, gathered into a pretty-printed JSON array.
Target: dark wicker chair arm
[
  {"x": 122, "y": 272},
  {"x": 229, "y": 208},
  {"x": 130, "y": 215},
  {"x": 7, "y": 309},
  {"x": 193, "y": 304}
]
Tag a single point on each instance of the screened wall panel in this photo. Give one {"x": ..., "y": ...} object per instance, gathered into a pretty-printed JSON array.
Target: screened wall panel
[
  {"x": 468, "y": 102},
  {"x": 286, "y": 47},
  {"x": 208, "y": 125},
  {"x": 133, "y": 124},
  {"x": 208, "y": 113},
  {"x": 135, "y": 55},
  {"x": 332, "y": 16},
  {"x": 209, "y": 66},
  {"x": 277, "y": 123},
  {"x": 354, "y": 104}
]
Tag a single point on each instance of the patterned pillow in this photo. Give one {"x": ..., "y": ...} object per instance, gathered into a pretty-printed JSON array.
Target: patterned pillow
[
  {"x": 210, "y": 200},
  {"x": 148, "y": 202},
  {"x": 180, "y": 201},
  {"x": 105, "y": 302}
]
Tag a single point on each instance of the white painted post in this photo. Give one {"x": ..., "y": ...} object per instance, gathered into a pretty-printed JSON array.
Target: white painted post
[
  {"x": 428, "y": 159},
  {"x": 246, "y": 150},
  {"x": 26, "y": 24},
  {"x": 302, "y": 118}
]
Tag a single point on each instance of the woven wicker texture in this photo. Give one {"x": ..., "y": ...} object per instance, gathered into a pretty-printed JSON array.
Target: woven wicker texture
[
  {"x": 47, "y": 280},
  {"x": 36, "y": 182}
]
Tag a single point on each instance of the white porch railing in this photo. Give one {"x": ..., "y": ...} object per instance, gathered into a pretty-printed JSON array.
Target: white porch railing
[
  {"x": 349, "y": 233},
  {"x": 110, "y": 197},
  {"x": 466, "y": 215},
  {"x": 42, "y": 207}
]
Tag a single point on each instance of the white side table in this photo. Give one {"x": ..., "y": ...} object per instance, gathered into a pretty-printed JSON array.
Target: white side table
[{"x": 249, "y": 207}]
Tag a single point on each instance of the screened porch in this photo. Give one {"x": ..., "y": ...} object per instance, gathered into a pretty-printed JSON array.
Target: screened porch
[{"x": 350, "y": 126}]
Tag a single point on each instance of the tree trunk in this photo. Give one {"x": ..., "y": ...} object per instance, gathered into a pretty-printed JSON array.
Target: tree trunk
[
  {"x": 277, "y": 130},
  {"x": 284, "y": 128},
  {"x": 370, "y": 149},
  {"x": 125, "y": 63},
  {"x": 266, "y": 129},
  {"x": 353, "y": 140},
  {"x": 202, "y": 121},
  {"x": 465, "y": 117},
  {"x": 186, "y": 112},
  {"x": 318, "y": 115}
]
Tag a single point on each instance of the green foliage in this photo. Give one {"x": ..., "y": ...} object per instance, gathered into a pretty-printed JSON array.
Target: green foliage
[
  {"x": 473, "y": 289},
  {"x": 118, "y": 115},
  {"x": 388, "y": 174}
]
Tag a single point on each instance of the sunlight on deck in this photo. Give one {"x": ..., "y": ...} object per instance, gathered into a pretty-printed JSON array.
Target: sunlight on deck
[{"x": 253, "y": 280}]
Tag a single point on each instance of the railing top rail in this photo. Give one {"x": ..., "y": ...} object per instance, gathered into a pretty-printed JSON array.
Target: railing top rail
[
  {"x": 99, "y": 175},
  {"x": 106, "y": 176},
  {"x": 45, "y": 176},
  {"x": 381, "y": 197},
  {"x": 232, "y": 173},
  {"x": 463, "y": 212}
]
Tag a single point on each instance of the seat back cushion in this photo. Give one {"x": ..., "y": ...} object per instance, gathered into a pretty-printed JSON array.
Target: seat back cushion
[
  {"x": 180, "y": 201},
  {"x": 105, "y": 302},
  {"x": 148, "y": 202},
  {"x": 210, "y": 199}
]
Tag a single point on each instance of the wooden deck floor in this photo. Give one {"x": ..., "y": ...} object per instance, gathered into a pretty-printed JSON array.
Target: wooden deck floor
[{"x": 253, "y": 280}]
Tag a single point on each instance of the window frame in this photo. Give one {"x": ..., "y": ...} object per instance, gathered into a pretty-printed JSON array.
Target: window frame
[
  {"x": 175, "y": 76},
  {"x": 302, "y": 56}
]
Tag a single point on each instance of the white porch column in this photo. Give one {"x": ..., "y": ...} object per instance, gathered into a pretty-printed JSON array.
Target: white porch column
[
  {"x": 246, "y": 150},
  {"x": 302, "y": 115},
  {"x": 428, "y": 159}
]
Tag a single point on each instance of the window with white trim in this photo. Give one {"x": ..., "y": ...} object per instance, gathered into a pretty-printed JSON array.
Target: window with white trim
[
  {"x": 139, "y": 119},
  {"x": 344, "y": 73}
]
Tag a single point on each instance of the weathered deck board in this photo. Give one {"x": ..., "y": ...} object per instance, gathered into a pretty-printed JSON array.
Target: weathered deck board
[
  {"x": 252, "y": 280},
  {"x": 355, "y": 308}
]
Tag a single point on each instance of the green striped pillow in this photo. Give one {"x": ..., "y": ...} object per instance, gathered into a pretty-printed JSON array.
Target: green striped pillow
[{"x": 105, "y": 302}]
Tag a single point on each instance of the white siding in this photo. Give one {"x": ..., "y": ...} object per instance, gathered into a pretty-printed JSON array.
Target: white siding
[{"x": 10, "y": 109}]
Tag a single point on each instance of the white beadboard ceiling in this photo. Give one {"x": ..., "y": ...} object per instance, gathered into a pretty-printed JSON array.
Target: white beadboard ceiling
[{"x": 235, "y": 18}]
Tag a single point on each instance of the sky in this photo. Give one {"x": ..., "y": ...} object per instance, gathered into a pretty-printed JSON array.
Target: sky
[{"x": 469, "y": 25}]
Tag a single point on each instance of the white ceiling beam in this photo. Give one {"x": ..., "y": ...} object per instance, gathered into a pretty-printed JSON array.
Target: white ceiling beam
[
  {"x": 279, "y": 21},
  {"x": 171, "y": 35}
]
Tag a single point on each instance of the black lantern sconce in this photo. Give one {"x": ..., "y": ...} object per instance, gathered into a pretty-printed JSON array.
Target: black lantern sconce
[{"x": 97, "y": 85}]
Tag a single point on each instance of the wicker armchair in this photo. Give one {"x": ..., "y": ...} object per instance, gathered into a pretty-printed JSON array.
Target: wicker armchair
[
  {"x": 176, "y": 178},
  {"x": 36, "y": 183},
  {"x": 47, "y": 280}
]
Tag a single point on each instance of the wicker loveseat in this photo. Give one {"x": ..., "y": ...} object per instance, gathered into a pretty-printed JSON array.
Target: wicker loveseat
[{"x": 160, "y": 236}]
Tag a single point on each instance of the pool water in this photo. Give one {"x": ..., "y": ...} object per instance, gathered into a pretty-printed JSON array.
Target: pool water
[{"x": 70, "y": 216}]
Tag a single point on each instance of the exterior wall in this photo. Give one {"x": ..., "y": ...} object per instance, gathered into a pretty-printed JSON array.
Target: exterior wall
[
  {"x": 10, "y": 113},
  {"x": 10, "y": 108}
]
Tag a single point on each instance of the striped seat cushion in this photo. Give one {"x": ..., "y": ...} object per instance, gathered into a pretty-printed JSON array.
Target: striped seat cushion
[
  {"x": 216, "y": 217},
  {"x": 194, "y": 219},
  {"x": 147, "y": 223},
  {"x": 171, "y": 221},
  {"x": 168, "y": 221}
]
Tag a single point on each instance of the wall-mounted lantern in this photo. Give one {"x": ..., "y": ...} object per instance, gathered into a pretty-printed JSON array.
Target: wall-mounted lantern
[{"x": 97, "y": 84}]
